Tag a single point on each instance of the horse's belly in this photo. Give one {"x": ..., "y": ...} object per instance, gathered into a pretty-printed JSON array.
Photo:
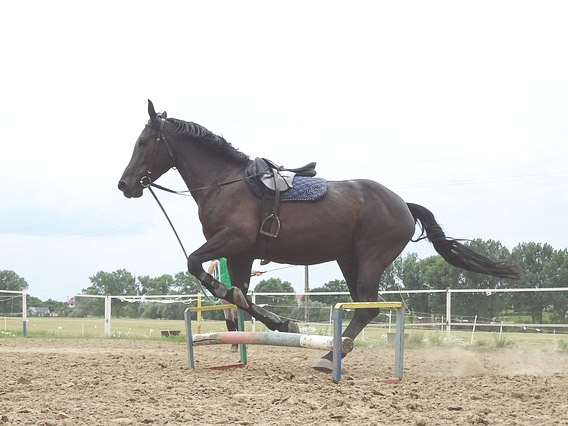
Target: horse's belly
[
  {"x": 354, "y": 213},
  {"x": 312, "y": 236}
]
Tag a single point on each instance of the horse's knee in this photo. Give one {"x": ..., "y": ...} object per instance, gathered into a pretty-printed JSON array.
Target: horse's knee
[{"x": 194, "y": 267}]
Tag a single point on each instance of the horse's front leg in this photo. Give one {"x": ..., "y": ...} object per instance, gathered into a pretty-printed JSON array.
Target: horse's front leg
[
  {"x": 239, "y": 272},
  {"x": 209, "y": 251}
]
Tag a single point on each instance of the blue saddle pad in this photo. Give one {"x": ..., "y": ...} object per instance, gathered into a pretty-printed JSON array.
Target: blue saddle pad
[{"x": 304, "y": 189}]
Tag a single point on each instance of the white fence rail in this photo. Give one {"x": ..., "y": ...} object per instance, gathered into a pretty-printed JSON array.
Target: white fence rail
[{"x": 446, "y": 323}]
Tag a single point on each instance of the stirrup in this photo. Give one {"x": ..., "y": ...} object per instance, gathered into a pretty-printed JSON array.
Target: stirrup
[{"x": 269, "y": 233}]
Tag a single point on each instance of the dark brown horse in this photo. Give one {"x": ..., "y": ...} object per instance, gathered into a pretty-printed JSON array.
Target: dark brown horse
[{"x": 360, "y": 224}]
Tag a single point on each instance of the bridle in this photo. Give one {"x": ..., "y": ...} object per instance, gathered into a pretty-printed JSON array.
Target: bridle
[{"x": 146, "y": 180}]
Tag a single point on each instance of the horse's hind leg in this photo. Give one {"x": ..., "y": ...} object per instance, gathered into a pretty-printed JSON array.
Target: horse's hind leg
[{"x": 365, "y": 289}]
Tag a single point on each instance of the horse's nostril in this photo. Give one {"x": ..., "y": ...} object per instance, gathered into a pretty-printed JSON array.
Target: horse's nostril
[{"x": 121, "y": 185}]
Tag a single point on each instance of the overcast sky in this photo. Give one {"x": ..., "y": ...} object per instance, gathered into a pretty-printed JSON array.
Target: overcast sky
[{"x": 459, "y": 106}]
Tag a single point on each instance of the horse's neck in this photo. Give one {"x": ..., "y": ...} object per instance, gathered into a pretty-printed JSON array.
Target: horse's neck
[{"x": 201, "y": 169}]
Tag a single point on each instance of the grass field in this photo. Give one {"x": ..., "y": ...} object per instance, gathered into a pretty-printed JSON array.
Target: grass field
[{"x": 372, "y": 336}]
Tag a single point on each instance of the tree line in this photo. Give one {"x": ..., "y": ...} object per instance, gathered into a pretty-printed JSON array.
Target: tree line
[{"x": 541, "y": 265}]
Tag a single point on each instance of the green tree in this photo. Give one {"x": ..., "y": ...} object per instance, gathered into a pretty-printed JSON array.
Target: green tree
[
  {"x": 329, "y": 287},
  {"x": 11, "y": 304},
  {"x": 274, "y": 285},
  {"x": 156, "y": 286},
  {"x": 185, "y": 283},
  {"x": 58, "y": 308},
  {"x": 437, "y": 274},
  {"x": 117, "y": 283},
  {"x": 532, "y": 258},
  {"x": 556, "y": 271},
  {"x": 181, "y": 283},
  {"x": 9, "y": 280},
  {"x": 412, "y": 276},
  {"x": 280, "y": 305},
  {"x": 485, "y": 305},
  {"x": 319, "y": 312},
  {"x": 391, "y": 278}
]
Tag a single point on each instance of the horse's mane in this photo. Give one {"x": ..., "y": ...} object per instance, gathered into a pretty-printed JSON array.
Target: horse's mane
[{"x": 217, "y": 143}]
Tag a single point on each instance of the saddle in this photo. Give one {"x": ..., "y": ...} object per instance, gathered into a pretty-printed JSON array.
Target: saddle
[
  {"x": 276, "y": 177},
  {"x": 275, "y": 180}
]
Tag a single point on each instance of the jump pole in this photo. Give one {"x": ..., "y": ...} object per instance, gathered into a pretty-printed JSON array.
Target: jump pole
[
  {"x": 252, "y": 338},
  {"x": 272, "y": 338},
  {"x": 190, "y": 337},
  {"x": 338, "y": 311}
]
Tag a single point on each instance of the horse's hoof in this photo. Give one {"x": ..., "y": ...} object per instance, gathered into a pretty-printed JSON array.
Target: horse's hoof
[
  {"x": 293, "y": 327},
  {"x": 323, "y": 365}
]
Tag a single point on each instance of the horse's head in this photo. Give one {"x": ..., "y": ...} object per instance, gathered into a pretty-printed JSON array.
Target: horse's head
[{"x": 152, "y": 156}]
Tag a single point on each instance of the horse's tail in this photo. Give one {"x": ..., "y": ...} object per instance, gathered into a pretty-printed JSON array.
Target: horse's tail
[{"x": 457, "y": 254}]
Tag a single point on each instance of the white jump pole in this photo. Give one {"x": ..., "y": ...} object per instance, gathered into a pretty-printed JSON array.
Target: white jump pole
[{"x": 270, "y": 338}]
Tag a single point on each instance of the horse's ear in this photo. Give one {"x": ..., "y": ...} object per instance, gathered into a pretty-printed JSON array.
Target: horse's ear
[
  {"x": 164, "y": 114},
  {"x": 151, "y": 110}
]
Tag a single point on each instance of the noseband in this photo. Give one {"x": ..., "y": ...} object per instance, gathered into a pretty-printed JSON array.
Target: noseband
[{"x": 146, "y": 180}]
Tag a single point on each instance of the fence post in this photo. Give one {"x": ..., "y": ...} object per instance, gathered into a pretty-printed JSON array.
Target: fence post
[
  {"x": 448, "y": 313},
  {"x": 24, "y": 314},
  {"x": 107, "y": 315}
]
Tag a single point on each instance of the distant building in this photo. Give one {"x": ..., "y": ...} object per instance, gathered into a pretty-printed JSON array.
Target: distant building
[{"x": 39, "y": 311}]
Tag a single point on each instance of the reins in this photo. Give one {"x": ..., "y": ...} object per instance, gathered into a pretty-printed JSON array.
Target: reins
[
  {"x": 169, "y": 221},
  {"x": 215, "y": 302},
  {"x": 185, "y": 192}
]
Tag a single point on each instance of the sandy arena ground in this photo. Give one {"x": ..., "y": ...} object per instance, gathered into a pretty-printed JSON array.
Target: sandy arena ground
[{"x": 122, "y": 382}]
